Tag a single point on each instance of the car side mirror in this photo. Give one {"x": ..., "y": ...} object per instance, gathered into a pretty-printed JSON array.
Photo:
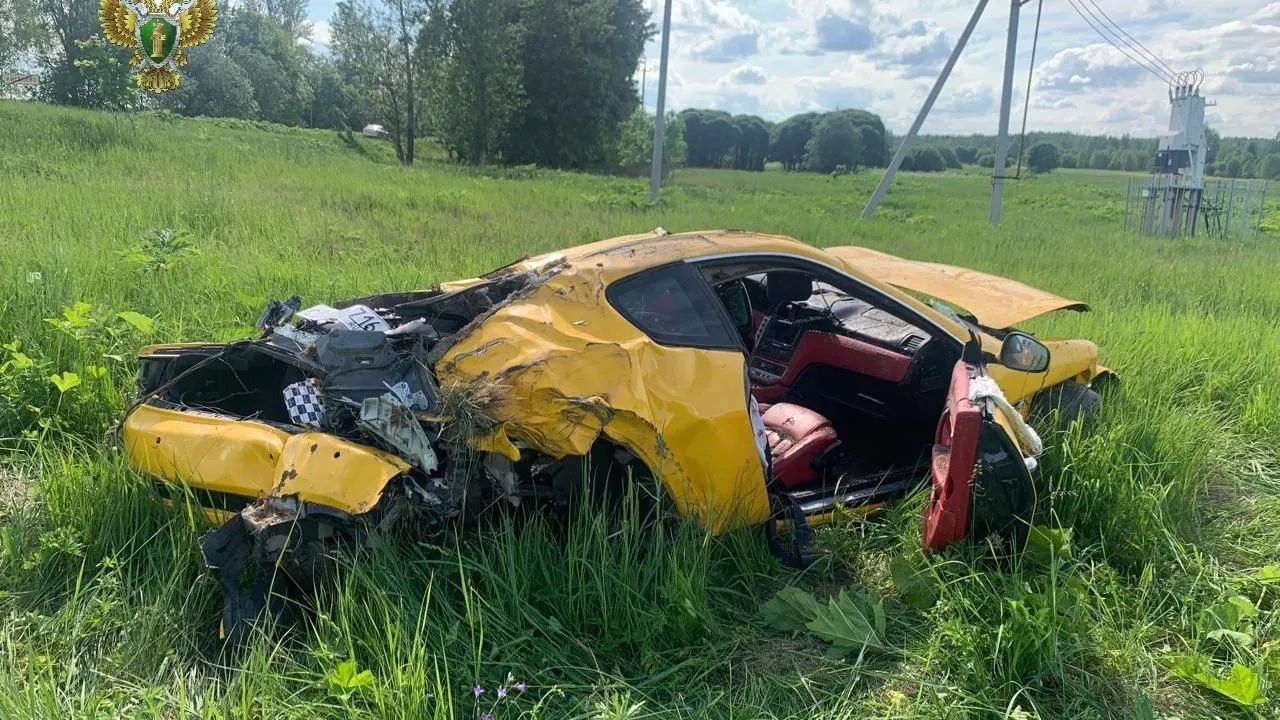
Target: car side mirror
[{"x": 1022, "y": 352}]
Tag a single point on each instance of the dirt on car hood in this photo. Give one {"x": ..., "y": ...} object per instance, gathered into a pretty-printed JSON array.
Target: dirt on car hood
[{"x": 995, "y": 301}]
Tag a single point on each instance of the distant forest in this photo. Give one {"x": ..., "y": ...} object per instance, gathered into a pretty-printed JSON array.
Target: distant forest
[{"x": 845, "y": 140}]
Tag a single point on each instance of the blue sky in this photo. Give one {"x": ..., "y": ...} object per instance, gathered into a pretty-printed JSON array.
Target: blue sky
[{"x": 775, "y": 58}]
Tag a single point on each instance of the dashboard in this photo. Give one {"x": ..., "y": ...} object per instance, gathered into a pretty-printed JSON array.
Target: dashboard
[{"x": 837, "y": 330}]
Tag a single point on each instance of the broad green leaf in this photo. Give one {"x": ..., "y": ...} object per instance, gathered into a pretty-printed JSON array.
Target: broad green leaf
[
  {"x": 1241, "y": 685},
  {"x": 1269, "y": 574},
  {"x": 1245, "y": 605},
  {"x": 919, "y": 589},
  {"x": 1230, "y": 614},
  {"x": 851, "y": 623},
  {"x": 345, "y": 677},
  {"x": 790, "y": 609},
  {"x": 1048, "y": 545},
  {"x": 1242, "y": 639},
  {"x": 65, "y": 381},
  {"x": 143, "y": 323}
]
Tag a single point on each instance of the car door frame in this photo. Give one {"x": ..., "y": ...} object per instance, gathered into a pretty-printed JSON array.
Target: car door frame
[{"x": 991, "y": 437}]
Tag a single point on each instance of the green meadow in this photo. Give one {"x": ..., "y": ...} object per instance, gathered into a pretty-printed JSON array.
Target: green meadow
[{"x": 1151, "y": 592}]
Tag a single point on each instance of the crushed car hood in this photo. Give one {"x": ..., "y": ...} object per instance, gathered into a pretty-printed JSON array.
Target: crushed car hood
[{"x": 995, "y": 301}]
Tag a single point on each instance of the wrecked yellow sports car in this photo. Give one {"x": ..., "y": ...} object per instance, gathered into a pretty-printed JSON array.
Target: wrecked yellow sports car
[{"x": 756, "y": 379}]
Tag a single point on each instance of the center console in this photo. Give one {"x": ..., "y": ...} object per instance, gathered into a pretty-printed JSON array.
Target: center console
[{"x": 777, "y": 343}]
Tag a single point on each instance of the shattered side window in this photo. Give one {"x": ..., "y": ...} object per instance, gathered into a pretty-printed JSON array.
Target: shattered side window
[{"x": 674, "y": 306}]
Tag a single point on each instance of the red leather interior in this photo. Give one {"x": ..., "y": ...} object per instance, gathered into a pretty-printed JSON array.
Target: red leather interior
[
  {"x": 847, "y": 353},
  {"x": 796, "y": 436},
  {"x": 838, "y": 351}
]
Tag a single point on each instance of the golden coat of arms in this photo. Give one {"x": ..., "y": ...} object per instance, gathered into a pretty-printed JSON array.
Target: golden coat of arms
[{"x": 158, "y": 31}]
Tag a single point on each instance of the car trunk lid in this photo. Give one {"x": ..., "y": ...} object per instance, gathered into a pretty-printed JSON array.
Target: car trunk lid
[{"x": 995, "y": 301}]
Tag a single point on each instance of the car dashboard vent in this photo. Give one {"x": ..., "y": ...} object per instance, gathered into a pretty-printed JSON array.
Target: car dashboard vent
[{"x": 913, "y": 343}]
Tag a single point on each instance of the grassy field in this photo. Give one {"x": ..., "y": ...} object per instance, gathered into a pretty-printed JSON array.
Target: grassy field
[{"x": 1164, "y": 580}]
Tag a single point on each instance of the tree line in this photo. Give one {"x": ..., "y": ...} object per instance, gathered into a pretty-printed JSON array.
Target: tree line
[
  {"x": 1233, "y": 157},
  {"x": 507, "y": 81},
  {"x": 818, "y": 142}
]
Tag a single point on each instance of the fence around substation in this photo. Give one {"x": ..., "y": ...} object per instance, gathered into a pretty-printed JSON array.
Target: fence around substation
[{"x": 1227, "y": 209}]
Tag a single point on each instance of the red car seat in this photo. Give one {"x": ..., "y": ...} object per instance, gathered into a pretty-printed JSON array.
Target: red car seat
[{"x": 796, "y": 436}]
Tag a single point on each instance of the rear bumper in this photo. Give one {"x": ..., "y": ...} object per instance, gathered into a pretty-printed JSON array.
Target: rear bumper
[{"x": 241, "y": 459}]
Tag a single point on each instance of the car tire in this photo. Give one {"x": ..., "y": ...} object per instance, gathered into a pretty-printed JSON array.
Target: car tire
[{"x": 1065, "y": 403}]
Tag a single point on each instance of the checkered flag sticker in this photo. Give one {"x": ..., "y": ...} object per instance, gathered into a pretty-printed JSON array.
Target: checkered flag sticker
[{"x": 302, "y": 401}]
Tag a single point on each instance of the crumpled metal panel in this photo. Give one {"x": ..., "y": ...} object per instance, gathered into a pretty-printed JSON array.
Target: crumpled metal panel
[
  {"x": 571, "y": 368},
  {"x": 251, "y": 459}
]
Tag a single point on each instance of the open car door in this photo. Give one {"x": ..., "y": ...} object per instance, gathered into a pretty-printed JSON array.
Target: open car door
[{"x": 981, "y": 482}]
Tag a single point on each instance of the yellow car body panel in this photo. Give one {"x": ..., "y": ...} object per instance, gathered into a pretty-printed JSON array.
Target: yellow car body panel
[
  {"x": 248, "y": 459},
  {"x": 995, "y": 301},
  {"x": 1068, "y": 360},
  {"x": 571, "y": 368}
]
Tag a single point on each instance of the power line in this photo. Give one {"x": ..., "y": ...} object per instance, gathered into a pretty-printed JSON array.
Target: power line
[
  {"x": 1106, "y": 33},
  {"x": 1145, "y": 66},
  {"x": 1144, "y": 48}
]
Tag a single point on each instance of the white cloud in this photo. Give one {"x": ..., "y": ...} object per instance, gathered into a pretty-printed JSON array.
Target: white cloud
[
  {"x": 1097, "y": 66},
  {"x": 747, "y": 74}
]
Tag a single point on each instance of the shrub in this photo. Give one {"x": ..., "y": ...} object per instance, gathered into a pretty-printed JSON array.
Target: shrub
[{"x": 1044, "y": 157}]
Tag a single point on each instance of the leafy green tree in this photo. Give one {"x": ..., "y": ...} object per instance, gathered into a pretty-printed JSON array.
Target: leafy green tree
[
  {"x": 1234, "y": 167},
  {"x": 753, "y": 142},
  {"x": 471, "y": 52},
  {"x": 632, "y": 151},
  {"x": 949, "y": 158},
  {"x": 1069, "y": 161},
  {"x": 1044, "y": 157},
  {"x": 789, "y": 138},
  {"x": 836, "y": 142},
  {"x": 1100, "y": 160},
  {"x": 215, "y": 86},
  {"x": 988, "y": 160},
  {"x": 875, "y": 151},
  {"x": 927, "y": 159},
  {"x": 63, "y": 38},
  {"x": 374, "y": 49},
  {"x": 290, "y": 15},
  {"x": 578, "y": 61},
  {"x": 967, "y": 154},
  {"x": 270, "y": 59},
  {"x": 331, "y": 100},
  {"x": 711, "y": 137}
]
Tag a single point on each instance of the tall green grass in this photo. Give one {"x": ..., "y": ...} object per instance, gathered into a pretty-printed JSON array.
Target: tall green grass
[{"x": 1169, "y": 499}]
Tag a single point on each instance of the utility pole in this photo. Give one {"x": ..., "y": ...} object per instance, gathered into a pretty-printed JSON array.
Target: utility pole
[
  {"x": 1006, "y": 100},
  {"x": 644, "y": 79},
  {"x": 910, "y": 138},
  {"x": 655, "y": 180}
]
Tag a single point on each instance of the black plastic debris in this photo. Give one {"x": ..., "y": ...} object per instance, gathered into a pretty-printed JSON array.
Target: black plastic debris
[{"x": 278, "y": 313}]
